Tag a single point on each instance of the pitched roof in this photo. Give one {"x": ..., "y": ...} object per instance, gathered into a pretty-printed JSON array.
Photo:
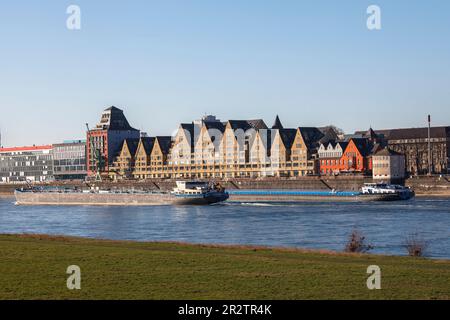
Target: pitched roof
[
  {"x": 375, "y": 148},
  {"x": 257, "y": 124},
  {"x": 165, "y": 142},
  {"x": 371, "y": 134},
  {"x": 266, "y": 137},
  {"x": 214, "y": 125},
  {"x": 387, "y": 152},
  {"x": 277, "y": 124},
  {"x": 334, "y": 143},
  {"x": 114, "y": 119},
  {"x": 132, "y": 144},
  {"x": 148, "y": 143},
  {"x": 327, "y": 143},
  {"x": 239, "y": 124},
  {"x": 189, "y": 129},
  {"x": 311, "y": 136},
  {"x": 113, "y": 108},
  {"x": 364, "y": 146},
  {"x": 419, "y": 133},
  {"x": 329, "y": 133},
  {"x": 343, "y": 144},
  {"x": 288, "y": 137},
  {"x": 413, "y": 133}
]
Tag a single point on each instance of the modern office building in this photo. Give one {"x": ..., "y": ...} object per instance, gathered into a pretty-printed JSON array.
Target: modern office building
[
  {"x": 69, "y": 160},
  {"x": 21, "y": 164}
]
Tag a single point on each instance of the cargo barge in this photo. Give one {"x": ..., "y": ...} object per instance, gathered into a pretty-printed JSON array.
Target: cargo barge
[
  {"x": 370, "y": 192},
  {"x": 201, "y": 193},
  {"x": 186, "y": 193}
]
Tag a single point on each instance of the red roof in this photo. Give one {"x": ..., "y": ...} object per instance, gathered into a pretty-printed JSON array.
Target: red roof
[{"x": 30, "y": 148}]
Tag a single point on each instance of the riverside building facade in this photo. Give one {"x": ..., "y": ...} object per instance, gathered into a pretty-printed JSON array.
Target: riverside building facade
[
  {"x": 209, "y": 148},
  {"x": 69, "y": 160},
  {"x": 104, "y": 142},
  {"x": 21, "y": 164},
  {"x": 352, "y": 155},
  {"x": 388, "y": 165},
  {"x": 413, "y": 143}
]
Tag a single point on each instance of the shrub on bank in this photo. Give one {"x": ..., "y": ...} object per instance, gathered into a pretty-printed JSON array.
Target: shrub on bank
[
  {"x": 357, "y": 243},
  {"x": 416, "y": 245}
]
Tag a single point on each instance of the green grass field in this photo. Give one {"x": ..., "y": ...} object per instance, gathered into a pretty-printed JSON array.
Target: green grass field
[{"x": 34, "y": 267}]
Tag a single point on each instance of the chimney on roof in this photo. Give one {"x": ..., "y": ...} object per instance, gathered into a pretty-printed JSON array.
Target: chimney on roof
[
  {"x": 277, "y": 124},
  {"x": 430, "y": 165}
]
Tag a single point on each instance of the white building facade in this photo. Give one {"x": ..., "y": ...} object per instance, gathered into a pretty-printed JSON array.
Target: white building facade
[{"x": 388, "y": 165}]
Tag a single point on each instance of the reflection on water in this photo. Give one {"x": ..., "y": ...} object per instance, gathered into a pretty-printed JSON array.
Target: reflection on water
[{"x": 309, "y": 225}]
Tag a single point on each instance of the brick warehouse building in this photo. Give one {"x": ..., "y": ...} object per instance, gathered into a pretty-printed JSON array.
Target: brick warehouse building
[
  {"x": 413, "y": 143},
  {"x": 104, "y": 142}
]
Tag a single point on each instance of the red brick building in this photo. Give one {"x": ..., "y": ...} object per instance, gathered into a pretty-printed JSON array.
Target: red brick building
[
  {"x": 105, "y": 140},
  {"x": 357, "y": 156},
  {"x": 354, "y": 156}
]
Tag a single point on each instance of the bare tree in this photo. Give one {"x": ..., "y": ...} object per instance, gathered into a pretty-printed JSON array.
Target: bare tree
[
  {"x": 416, "y": 245},
  {"x": 357, "y": 243}
]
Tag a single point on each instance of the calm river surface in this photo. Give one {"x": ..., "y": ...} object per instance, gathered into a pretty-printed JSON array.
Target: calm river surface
[{"x": 312, "y": 225}]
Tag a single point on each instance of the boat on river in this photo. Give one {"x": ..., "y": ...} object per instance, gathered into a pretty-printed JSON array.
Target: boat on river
[
  {"x": 388, "y": 191},
  {"x": 370, "y": 192},
  {"x": 185, "y": 193}
]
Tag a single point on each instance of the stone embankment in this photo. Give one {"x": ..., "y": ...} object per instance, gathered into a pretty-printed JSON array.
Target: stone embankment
[{"x": 429, "y": 186}]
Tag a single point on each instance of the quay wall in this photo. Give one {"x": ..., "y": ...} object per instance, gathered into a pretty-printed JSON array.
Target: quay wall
[
  {"x": 430, "y": 186},
  {"x": 422, "y": 185}
]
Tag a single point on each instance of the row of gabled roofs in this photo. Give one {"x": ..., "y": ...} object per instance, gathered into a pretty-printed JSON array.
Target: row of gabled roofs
[
  {"x": 164, "y": 142},
  {"x": 311, "y": 135},
  {"x": 113, "y": 118}
]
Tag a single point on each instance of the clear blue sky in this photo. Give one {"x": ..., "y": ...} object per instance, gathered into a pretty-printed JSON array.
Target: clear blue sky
[{"x": 165, "y": 62}]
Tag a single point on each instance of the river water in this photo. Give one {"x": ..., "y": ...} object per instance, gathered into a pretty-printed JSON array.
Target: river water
[{"x": 311, "y": 225}]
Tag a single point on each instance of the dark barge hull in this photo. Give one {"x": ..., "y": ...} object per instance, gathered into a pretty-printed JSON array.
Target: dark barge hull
[
  {"x": 292, "y": 196},
  {"x": 114, "y": 199}
]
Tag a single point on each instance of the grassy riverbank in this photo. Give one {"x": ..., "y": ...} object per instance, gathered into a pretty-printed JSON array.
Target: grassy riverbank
[{"x": 34, "y": 267}]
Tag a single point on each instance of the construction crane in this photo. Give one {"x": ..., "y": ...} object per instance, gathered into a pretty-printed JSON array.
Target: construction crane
[{"x": 98, "y": 158}]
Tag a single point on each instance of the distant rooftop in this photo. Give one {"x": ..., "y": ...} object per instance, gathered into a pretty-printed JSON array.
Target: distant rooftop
[
  {"x": 114, "y": 119},
  {"x": 26, "y": 148},
  {"x": 388, "y": 152},
  {"x": 413, "y": 133},
  {"x": 73, "y": 141},
  {"x": 277, "y": 124}
]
